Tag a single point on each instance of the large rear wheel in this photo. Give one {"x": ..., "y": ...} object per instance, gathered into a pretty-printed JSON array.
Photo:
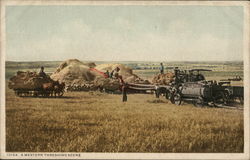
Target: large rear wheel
[
  {"x": 221, "y": 99},
  {"x": 157, "y": 93},
  {"x": 177, "y": 99},
  {"x": 226, "y": 98},
  {"x": 199, "y": 102},
  {"x": 168, "y": 95}
]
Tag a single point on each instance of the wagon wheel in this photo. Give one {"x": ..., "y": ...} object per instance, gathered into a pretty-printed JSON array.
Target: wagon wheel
[
  {"x": 157, "y": 94},
  {"x": 19, "y": 93},
  {"x": 35, "y": 94},
  {"x": 60, "y": 94},
  {"x": 226, "y": 98},
  {"x": 168, "y": 95},
  {"x": 16, "y": 93},
  {"x": 172, "y": 98},
  {"x": 27, "y": 93},
  {"x": 46, "y": 94},
  {"x": 177, "y": 99},
  {"x": 220, "y": 98},
  {"x": 199, "y": 102}
]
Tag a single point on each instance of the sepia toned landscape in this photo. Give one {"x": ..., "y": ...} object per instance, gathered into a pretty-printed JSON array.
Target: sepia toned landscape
[
  {"x": 94, "y": 121},
  {"x": 90, "y": 79}
]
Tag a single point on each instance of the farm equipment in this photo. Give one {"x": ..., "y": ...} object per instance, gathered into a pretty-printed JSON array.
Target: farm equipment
[
  {"x": 200, "y": 93},
  {"x": 235, "y": 92},
  {"x": 237, "y": 78},
  {"x": 205, "y": 92},
  {"x": 191, "y": 86},
  {"x": 140, "y": 88},
  {"x": 99, "y": 72},
  {"x": 192, "y": 75},
  {"x": 31, "y": 84},
  {"x": 180, "y": 77}
]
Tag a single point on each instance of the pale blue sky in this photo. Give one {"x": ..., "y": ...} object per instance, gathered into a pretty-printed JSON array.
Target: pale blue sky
[{"x": 124, "y": 33}]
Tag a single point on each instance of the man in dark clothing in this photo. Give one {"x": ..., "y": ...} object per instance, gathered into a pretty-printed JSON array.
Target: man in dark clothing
[
  {"x": 124, "y": 87},
  {"x": 177, "y": 75},
  {"x": 42, "y": 73},
  {"x": 124, "y": 92},
  {"x": 162, "y": 69}
]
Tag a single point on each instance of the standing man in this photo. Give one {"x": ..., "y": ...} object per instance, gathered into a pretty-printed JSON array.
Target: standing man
[
  {"x": 124, "y": 87},
  {"x": 162, "y": 69},
  {"x": 191, "y": 76},
  {"x": 124, "y": 92},
  {"x": 177, "y": 75}
]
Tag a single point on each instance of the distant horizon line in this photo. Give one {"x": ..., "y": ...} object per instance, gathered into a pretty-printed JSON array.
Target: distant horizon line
[{"x": 122, "y": 61}]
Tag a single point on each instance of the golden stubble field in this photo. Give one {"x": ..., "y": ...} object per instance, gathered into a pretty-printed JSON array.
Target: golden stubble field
[{"x": 100, "y": 122}]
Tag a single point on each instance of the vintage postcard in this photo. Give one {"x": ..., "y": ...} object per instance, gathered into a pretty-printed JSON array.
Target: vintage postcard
[{"x": 124, "y": 79}]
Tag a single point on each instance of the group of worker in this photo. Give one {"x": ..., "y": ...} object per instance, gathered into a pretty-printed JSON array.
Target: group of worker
[
  {"x": 113, "y": 74},
  {"x": 124, "y": 86}
]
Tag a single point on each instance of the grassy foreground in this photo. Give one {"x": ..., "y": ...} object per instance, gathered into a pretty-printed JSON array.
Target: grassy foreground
[{"x": 99, "y": 122}]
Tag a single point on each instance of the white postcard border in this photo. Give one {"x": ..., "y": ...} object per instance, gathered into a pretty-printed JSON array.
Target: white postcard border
[{"x": 65, "y": 155}]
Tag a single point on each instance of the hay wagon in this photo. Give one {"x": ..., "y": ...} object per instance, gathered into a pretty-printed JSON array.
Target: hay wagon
[
  {"x": 39, "y": 92},
  {"x": 30, "y": 84}
]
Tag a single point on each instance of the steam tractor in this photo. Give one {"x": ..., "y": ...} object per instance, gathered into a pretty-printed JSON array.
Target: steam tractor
[
  {"x": 200, "y": 93},
  {"x": 192, "y": 86}
]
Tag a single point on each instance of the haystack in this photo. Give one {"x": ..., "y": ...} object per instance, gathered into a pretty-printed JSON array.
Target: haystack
[
  {"x": 163, "y": 79},
  {"x": 80, "y": 76},
  {"x": 73, "y": 70},
  {"x": 90, "y": 64}
]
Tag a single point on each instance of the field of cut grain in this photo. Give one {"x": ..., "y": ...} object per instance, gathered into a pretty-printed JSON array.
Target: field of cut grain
[{"x": 99, "y": 122}]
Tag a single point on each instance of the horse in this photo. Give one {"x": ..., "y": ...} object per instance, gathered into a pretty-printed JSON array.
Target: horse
[
  {"x": 53, "y": 88},
  {"x": 59, "y": 89}
]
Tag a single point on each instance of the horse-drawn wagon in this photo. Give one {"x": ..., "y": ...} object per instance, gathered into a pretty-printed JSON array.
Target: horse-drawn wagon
[{"x": 31, "y": 84}]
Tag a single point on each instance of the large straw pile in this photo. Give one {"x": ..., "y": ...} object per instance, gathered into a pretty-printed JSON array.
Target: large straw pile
[
  {"x": 73, "y": 72},
  {"x": 80, "y": 76},
  {"x": 163, "y": 79}
]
